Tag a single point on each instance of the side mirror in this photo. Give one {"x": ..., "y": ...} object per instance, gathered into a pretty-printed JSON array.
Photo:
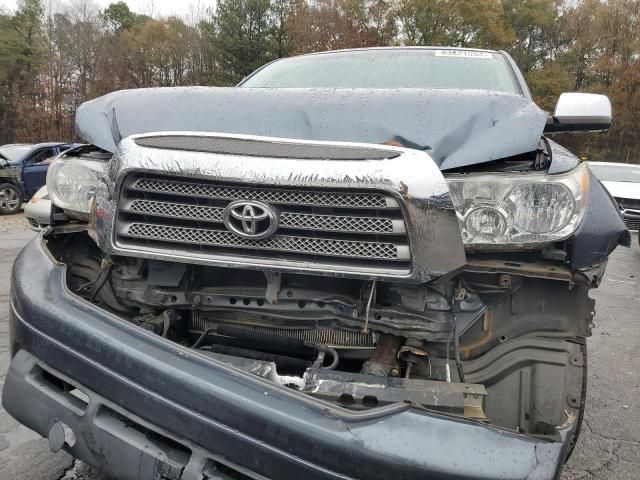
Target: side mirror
[{"x": 580, "y": 112}]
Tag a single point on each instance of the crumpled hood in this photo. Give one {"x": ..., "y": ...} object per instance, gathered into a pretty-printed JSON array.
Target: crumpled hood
[{"x": 456, "y": 127}]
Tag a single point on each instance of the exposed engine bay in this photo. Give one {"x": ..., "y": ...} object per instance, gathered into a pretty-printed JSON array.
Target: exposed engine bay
[
  {"x": 473, "y": 344},
  {"x": 456, "y": 294}
]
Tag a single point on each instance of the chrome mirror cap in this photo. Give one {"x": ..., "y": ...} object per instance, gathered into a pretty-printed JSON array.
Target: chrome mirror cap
[{"x": 581, "y": 112}]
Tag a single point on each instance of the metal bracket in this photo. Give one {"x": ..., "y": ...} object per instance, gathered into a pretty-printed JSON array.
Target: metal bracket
[{"x": 274, "y": 285}]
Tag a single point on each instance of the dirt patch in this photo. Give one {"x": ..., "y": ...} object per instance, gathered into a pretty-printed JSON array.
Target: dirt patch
[{"x": 13, "y": 223}]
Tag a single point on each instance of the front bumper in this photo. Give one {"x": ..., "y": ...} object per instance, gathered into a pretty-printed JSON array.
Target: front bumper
[
  {"x": 631, "y": 219},
  {"x": 38, "y": 214},
  {"x": 152, "y": 407}
]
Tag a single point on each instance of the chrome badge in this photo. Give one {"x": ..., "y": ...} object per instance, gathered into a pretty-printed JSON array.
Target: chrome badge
[{"x": 250, "y": 219}]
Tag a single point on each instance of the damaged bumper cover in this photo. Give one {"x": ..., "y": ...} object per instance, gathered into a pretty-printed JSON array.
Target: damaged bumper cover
[{"x": 152, "y": 408}]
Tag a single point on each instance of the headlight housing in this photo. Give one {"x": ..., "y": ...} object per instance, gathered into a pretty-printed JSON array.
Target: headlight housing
[
  {"x": 72, "y": 182},
  {"x": 518, "y": 209}
]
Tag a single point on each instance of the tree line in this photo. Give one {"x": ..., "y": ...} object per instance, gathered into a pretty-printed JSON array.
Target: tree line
[{"x": 53, "y": 60}]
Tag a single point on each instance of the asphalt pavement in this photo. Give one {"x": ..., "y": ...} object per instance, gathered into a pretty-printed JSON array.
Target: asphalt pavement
[{"x": 608, "y": 448}]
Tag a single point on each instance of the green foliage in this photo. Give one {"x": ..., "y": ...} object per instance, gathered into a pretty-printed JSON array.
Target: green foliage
[
  {"x": 280, "y": 37},
  {"x": 20, "y": 35},
  {"x": 243, "y": 30},
  {"x": 548, "y": 83},
  {"x": 462, "y": 23},
  {"x": 535, "y": 25},
  {"x": 119, "y": 17},
  {"x": 20, "y": 55}
]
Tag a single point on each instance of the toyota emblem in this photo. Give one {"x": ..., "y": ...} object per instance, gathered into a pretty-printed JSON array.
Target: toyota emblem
[{"x": 249, "y": 219}]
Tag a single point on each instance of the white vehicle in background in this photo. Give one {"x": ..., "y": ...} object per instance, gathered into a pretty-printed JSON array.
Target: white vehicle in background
[
  {"x": 622, "y": 180},
  {"x": 38, "y": 210}
]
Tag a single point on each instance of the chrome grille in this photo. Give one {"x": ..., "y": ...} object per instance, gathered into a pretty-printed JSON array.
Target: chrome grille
[
  {"x": 275, "y": 195},
  {"x": 175, "y": 210},
  {"x": 364, "y": 228},
  {"x": 223, "y": 238},
  {"x": 337, "y": 223},
  {"x": 303, "y": 221}
]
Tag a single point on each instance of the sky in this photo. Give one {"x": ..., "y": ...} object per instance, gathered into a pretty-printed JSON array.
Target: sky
[{"x": 147, "y": 7}]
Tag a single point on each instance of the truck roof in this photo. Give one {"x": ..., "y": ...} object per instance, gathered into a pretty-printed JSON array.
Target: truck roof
[{"x": 365, "y": 49}]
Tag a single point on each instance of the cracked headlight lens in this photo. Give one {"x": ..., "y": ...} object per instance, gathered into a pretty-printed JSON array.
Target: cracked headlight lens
[
  {"x": 514, "y": 209},
  {"x": 72, "y": 182}
]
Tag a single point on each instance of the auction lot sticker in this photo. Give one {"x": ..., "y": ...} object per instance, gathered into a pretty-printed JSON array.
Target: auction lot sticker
[{"x": 464, "y": 54}]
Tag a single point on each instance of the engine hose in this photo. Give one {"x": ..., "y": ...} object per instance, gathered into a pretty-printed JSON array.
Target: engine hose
[
  {"x": 209, "y": 338},
  {"x": 282, "y": 361},
  {"x": 456, "y": 348},
  {"x": 266, "y": 342},
  {"x": 335, "y": 359}
]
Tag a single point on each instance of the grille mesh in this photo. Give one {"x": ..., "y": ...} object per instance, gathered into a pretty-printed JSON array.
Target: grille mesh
[
  {"x": 305, "y": 221},
  {"x": 306, "y": 245},
  {"x": 274, "y": 195},
  {"x": 335, "y": 228},
  {"x": 176, "y": 210},
  {"x": 336, "y": 223},
  {"x": 262, "y": 148}
]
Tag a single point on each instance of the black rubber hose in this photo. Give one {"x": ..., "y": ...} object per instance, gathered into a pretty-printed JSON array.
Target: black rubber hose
[
  {"x": 456, "y": 346},
  {"x": 100, "y": 282},
  {"x": 266, "y": 342},
  {"x": 283, "y": 362},
  {"x": 335, "y": 359},
  {"x": 208, "y": 338},
  {"x": 455, "y": 308}
]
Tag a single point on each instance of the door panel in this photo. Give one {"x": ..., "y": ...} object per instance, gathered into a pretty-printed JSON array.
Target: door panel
[{"x": 34, "y": 170}]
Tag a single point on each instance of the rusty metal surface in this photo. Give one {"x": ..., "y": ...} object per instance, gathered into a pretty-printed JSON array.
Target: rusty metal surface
[
  {"x": 527, "y": 269},
  {"x": 358, "y": 391},
  {"x": 384, "y": 361}
]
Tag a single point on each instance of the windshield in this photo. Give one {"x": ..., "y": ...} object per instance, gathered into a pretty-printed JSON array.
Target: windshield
[
  {"x": 616, "y": 173},
  {"x": 15, "y": 152},
  {"x": 392, "y": 68}
]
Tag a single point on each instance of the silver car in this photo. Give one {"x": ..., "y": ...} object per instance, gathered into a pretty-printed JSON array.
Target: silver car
[
  {"x": 38, "y": 209},
  {"x": 622, "y": 180}
]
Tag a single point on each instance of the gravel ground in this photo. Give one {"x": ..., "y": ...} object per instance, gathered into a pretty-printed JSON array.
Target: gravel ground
[
  {"x": 608, "y": 448},
  {"x": 12, "y": 224}
]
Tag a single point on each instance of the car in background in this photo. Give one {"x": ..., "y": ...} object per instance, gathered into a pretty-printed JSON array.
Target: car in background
[
  {"x": 622, "y": 180},
  {"x": 23, "y": 170},
  {"x": 38, "y": 210}
]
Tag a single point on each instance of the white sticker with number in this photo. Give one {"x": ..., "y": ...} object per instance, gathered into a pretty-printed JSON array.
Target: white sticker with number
[{"x": 464, "y": 54}]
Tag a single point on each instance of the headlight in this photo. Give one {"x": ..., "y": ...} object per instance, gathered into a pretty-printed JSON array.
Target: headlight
[
  {"x": 72, "y": 181},
  {"x": 516, "y": 209}
]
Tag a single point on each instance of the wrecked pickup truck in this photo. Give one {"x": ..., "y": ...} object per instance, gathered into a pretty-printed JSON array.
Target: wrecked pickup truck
[{"x": 365, "y": 264}]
